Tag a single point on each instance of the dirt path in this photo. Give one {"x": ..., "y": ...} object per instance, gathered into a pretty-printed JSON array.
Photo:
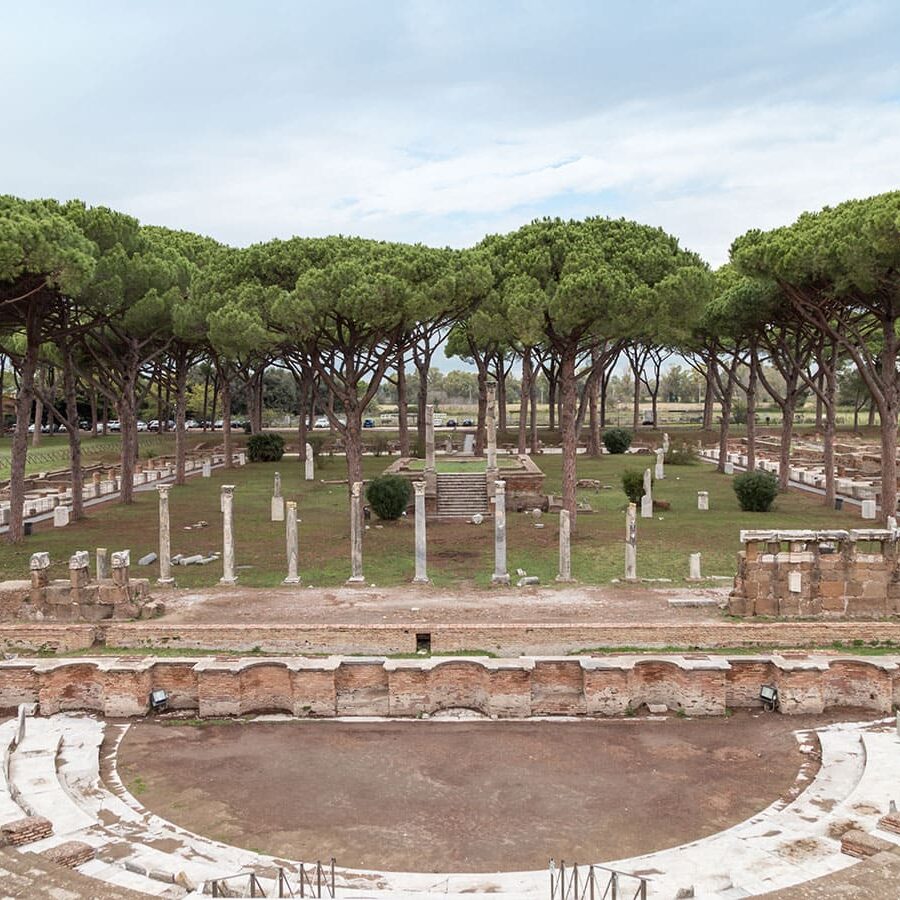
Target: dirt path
[
  {"x": 463, "y": 796},
  {"x": 428, "y": 604}
]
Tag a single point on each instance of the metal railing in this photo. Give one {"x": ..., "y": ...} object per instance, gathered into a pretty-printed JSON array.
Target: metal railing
[
  {"x": 315, "y": 880},
  {"x": 594, "y": 883}
]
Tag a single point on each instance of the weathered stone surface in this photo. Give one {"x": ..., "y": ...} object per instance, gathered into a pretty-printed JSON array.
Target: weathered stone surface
[{"x": 147, "y": 560}]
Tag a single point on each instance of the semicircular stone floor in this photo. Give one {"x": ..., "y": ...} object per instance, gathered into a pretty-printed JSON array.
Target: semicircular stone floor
[{"x": 54, "y": 772}]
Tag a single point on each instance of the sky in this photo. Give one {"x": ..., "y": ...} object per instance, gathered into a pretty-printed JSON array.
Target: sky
[{"x": 440, "y": 122}]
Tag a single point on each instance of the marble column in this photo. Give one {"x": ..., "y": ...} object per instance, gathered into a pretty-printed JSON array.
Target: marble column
[
  {"x": 647, "y": 499},
  {"x": 491, "y": 425},
  {"x": 310, "y": 466},
  {"x": 665, "y": 442},
  {"x": 227, "y": 499},
  {"x": 694, "y": 570},
  {"x": 631, "y": 543},
  {"x": 356, "y": 530},
  {"x": 429, "y": 437},
  {"x": 165, "y": 541},
  {"x": 500, "y": 576},
  {"x": 703, "y": 500},
  {"x": 101, "y": 555},
  {"x": 290, "y": 528},
  {"x": 277, "y": 507},
  {"x": 421, "y": 576},
  {"x": 565, "y": 547},
  {"x": 660, "y": 473}
]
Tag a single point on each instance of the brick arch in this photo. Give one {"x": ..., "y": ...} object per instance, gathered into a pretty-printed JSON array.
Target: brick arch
[
  {"x": 74, "y": 686},
  {"x": 459, "y": 684},
  {"x": 858, "y": 682},
  {"x": 265, "y": 686}
]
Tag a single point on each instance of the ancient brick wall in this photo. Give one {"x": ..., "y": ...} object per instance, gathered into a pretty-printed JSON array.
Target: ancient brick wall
[
  {"x": 828, "y": 574},
  {"x": 576, "y": 686}
]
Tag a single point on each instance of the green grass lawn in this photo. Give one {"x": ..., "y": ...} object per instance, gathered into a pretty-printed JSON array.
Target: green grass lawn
[{"x": 460, "y": 554}]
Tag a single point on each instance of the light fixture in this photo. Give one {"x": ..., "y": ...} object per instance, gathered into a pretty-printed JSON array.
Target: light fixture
[
  {"x": 768, "y": 693},
  {"x": 159, "y": 700}
]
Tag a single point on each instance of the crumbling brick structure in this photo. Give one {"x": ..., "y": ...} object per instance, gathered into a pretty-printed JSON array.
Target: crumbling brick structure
[{"x": 829, "y": 574}]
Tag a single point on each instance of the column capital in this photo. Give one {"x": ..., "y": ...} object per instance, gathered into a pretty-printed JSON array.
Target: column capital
[
  {"x": 419, "y": 487},
  {"x": 163, "y": 491},
  {"x": 227, "y": 489}
]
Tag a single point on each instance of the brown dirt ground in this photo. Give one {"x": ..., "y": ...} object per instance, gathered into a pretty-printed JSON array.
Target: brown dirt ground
[
  {"x": 463, "y": 796},
  {"x": 354, "y": 606}
]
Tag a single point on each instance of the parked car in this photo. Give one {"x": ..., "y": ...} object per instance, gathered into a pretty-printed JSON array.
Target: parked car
[
  {"x": 191, "y": 423},
  {"x": 321, "y": 422},
  {"x": 368, "y": 423},
  {"x": 467, "y": 423},
  {"x": 113, "y": 426},
  {"x": 451, "y": 423},
  {"x": 142, "y": 426}
]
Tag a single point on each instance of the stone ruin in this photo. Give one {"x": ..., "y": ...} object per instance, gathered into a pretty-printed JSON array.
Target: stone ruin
[
  {"x": 818, "y": 574},
  {"x": 113, "y": 594}
]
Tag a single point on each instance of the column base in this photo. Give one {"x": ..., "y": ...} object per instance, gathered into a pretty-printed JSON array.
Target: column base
[
  {"x": 289, "y": 580},
  {"x": 165, "y": 582},
  {"x": 228, "y": 581},
  {"x": 418, "y": 580},
  {"x": 632, "y": 579},
  {"x": 562, "y": 580},
  {"x": 356, "y": 579},
  {"x": 500, "y": 579}
]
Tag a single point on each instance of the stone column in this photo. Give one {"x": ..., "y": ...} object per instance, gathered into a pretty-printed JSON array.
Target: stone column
[
  {"x": 647, "y": 499},
  {"x": 660, "y": 473},
  {"x": 500, "y": 576},
  {"x": 356, "y": 530},
  {"x": 703, "y": 500},
  {"x": 291, "y": 537},
  {"x": 277, "y": 508},
  {"x": 631, "y": 543},
  {"x": 207, "y": 468},
  {"x": 565, "y": 547},
  {"x": 309, "y": 474},
  {"x": 101, "y": 555},
  {"x": 421, "y": 576},
  {"x": 694, "y": 570},
  {"x": 227, "y": 498},
  {"x": 429, "y": 437},
  {"x": 490, "y": 425},
  {"x": 665, "y": 442},
  {"x": 165, "y": 544}
]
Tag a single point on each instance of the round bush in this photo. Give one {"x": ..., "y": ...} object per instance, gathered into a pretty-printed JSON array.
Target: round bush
[
  {"x": 389, "y": 496},
  {"x": 756, "y": 491},
  {"x": 616, "y": 440},
  {"x": 633, "y": 484},
  {"x": 265, "y": 447}
]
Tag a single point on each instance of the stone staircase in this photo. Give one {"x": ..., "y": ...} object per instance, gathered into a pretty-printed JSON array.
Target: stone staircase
[{"x": 461, "y": 495}]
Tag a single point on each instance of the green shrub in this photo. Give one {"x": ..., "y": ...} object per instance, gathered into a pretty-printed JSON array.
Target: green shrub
[
  {"x": 616, "y": 440},
  {"x": 756, "y": 491},
  {"x": 267, "y": 447},
  {"x": 380, "y": 444},
  {"x": 389, "y": 495},
  {"x": 684, "y": 454},
  {"x": 633, "y": 484}
]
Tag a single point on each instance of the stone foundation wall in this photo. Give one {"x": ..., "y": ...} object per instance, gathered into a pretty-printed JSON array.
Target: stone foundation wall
[
  {"x": 528, "y": 686},
  {"x": 828, "y": 574}
]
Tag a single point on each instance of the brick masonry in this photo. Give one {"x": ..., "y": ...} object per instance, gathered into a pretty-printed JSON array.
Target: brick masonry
[
  {"x": 25, "y": 831},
  {"x": 527, "y": 686}
]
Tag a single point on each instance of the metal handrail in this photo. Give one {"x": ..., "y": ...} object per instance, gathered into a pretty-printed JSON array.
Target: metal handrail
[
  {"x": 594, "y": 884},
  {"x": 315, "y": 881}
]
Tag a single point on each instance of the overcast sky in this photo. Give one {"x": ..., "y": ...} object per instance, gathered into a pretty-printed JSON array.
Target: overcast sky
[{"x": 443, "y": 121}]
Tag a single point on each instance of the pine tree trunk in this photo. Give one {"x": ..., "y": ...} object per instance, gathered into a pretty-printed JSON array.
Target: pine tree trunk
[
  {"x": 181, "y": 373},
  {"x": 227, "y": 440},
  {"x": 568, "y": 426},
  {"x": 402, "y": 405},
  {"x": 71, "y": 396},
  {"x": 751, "y": 412},
  {"x": 523, "y": 401},
  {"x": 480, "y": 423}
]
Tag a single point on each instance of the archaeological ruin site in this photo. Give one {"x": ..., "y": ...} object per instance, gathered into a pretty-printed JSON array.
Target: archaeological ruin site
[{"x": 450, "y": 449}]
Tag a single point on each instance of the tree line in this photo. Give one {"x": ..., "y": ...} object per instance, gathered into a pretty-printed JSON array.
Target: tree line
[{"x": 116, "y": 309}]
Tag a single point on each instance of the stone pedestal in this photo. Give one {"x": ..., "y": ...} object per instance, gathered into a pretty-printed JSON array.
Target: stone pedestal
[
  {"x": 79, "y": 569},
  {"x": 729, "y": 468},
  {"x": 121, "y": 563},
  {"x": 421, "y": 576},
  {"x": 309, "y": 465},
  {"x": 703, "y": 500},
  {"x": 40, "y": 575},
  {"x": 165, "y": 545},
  {"x": 491, "y": 426},
  {"x": 60, "y": 516},
  {"x": 290, "y": 529},
  {"x": 647, "y": 498},
  {"x": 565, "y": 547},
  {"x": 501, "y": 575},
  {"x": 227, "y": 501},
  {"x": 869, "y": 509},
  {"x": 277, "y": 509},
  {"x": 207, "y": 469},
  {"x": 101, "y": 557},
  {"x": 429, "y": 438},
  {"x": 356, "y": 530},
  {"x": 631, "y": 543},
  {"x": 694, "y": 568}
]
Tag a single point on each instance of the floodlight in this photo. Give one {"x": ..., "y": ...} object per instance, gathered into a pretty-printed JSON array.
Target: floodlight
[
  {"x": 768, "y": 693},
  {"x": 159, "y": 699}
]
